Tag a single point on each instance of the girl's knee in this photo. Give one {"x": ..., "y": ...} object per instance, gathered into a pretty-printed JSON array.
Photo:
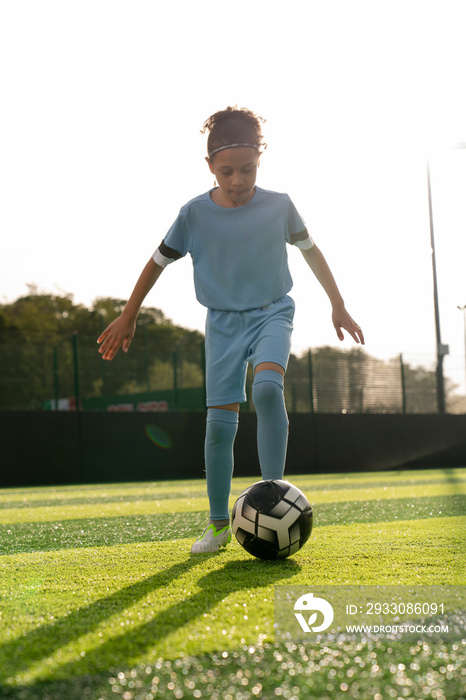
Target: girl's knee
[
  {"x": 267, "y": 389},
  {"x": 221, "y": 425}
]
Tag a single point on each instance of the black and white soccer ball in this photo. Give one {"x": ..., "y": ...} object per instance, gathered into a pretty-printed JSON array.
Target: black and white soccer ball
[{"x": 272, "y": 519}]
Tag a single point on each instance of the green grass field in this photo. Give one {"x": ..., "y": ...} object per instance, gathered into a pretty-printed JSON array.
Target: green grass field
[{"x": 100, "y": 597}]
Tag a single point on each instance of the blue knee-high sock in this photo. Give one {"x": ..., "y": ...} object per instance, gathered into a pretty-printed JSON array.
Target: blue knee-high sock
[
  {"x": 220, "y": 437},
  {"x": 272, "y": 423}
]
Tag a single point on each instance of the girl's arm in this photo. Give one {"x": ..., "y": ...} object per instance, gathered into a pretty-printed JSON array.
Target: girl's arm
[
  {"x": 121, "y": 330},
  {"x": 340, "y": 317}
]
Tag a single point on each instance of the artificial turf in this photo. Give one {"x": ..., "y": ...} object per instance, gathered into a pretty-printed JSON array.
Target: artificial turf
[{"x": 102, "y": 599}]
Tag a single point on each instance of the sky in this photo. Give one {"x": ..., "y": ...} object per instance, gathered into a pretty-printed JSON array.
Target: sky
[{"x": 100, "y": 146}]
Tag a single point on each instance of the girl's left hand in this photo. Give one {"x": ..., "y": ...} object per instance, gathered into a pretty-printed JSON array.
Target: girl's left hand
[{"x": 343, "y": 321}]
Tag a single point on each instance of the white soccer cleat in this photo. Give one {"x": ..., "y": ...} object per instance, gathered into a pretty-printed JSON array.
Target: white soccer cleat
[{"x": 212, "y": 539}]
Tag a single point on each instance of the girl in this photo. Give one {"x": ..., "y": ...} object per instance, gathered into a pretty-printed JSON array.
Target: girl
[{"x": 237, "y": 234}]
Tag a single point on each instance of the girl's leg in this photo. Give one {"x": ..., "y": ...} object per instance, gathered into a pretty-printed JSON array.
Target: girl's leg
[
  {"x": 226, "y": 367},
  {"x": 222, "y": 424},
  {"x": 272, "y": 419}
]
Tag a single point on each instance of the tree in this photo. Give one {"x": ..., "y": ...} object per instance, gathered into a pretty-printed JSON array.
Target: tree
[
  {"x": 37, "y": 356},
  {"x": 36, "y": 348}
]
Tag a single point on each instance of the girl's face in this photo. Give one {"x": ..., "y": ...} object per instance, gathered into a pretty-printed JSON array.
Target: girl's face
[{"x": 235, "y": 170}]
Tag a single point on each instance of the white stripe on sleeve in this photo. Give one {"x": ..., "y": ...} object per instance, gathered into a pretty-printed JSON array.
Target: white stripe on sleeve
[
  {"x": 161, "y": 260},
  {"x": 306, "y": 244}
]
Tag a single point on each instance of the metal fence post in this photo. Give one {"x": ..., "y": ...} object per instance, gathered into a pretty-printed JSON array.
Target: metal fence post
[
  {"x": 76, "y": 372},
  {"x": 55, "y": 376},
  {"x": 175, "y": 379},
  {"x": 146, "y": 358},
  {"x": 311, "y": 383},
  {"x": 102, "y": 365},
  {"x": 78, "y": 406},
  {"x": 403, "y": 384}
]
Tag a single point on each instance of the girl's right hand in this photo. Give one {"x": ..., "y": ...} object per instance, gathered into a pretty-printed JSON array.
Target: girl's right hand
[{"x": 117, "y": 334}]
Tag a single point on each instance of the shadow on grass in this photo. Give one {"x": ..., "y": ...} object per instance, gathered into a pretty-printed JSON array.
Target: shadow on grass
[
  {"x": 42, "y": 642},
  {"x": 102, "y": 532},
  {"x": 99, "y": 532},
  {"x": 405, "y": 479},
  {"x": 21, "y": 654},
  {"x": 451, "y": 475}
]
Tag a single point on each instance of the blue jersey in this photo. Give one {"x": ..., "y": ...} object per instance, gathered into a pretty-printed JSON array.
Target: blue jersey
[{"x": 239, "y": 254}]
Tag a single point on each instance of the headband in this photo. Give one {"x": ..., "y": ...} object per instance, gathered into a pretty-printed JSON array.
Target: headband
[{"x": 233, "y": 145}]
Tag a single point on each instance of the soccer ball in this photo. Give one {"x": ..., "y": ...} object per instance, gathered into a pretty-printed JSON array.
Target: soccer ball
[{"x": 272, "y": 519}]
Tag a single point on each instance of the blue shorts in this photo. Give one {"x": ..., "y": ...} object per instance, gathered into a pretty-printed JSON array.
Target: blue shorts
[{"x": 235, "y": 338}]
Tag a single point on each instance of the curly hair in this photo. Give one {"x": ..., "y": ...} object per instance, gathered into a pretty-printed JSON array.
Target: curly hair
[{"x": 234, "y": 125}]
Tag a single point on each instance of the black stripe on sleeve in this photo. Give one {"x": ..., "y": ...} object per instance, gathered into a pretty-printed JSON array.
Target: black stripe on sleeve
[
  {"x": 169, "y": 252},
  {"x": 301, "y": 236}
]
